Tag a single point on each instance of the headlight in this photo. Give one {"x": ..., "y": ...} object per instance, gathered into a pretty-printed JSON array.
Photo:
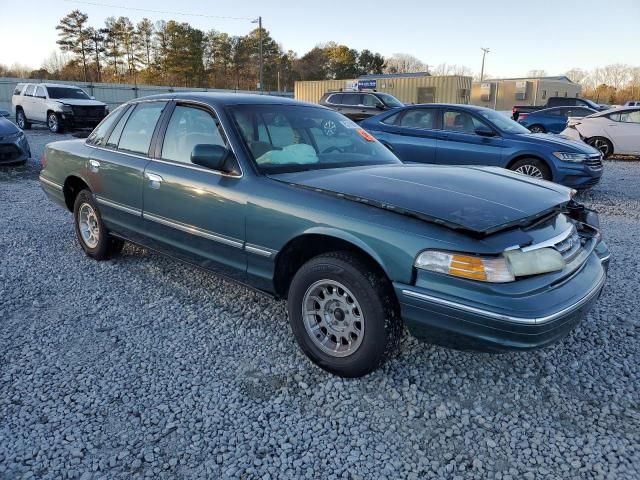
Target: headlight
[
  {"x": 499, "y": 269},
  {"x": 571, "y": 157},
  {"x": 67, "y": 109}
]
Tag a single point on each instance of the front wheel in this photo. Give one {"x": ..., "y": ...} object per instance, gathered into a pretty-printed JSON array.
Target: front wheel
[
  {"x": 537, "y": 129},
  {"x": 54, "y": 123},
  {"x": 92, "y": 235},
  {"x": 532, "y": 167},
  {"x": 344, "y": 314},
  {"x": 602, "y": 144}
]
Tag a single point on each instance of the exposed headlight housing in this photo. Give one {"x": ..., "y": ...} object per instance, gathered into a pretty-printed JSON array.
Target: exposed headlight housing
[
  {"x": 571, "y": 157},
  {"x": 494, "y": 269},
  {"x": 67, "y": 109}
]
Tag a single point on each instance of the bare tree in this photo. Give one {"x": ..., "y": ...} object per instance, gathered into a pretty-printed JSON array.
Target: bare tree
[
  {"x": 577, "y": 75},
  {"x": 404, "y": 63}
]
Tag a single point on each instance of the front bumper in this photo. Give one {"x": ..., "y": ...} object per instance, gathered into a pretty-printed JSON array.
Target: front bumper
[
  {"x": 14, "y": 151},
  {"x": 494, "y": 322}
]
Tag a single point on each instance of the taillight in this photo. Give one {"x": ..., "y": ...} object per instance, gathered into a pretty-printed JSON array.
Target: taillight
[
  {"x": 522, "y": 116},
  {"x": 514, "y": 109},
  {"x": 43, "y": 160}
]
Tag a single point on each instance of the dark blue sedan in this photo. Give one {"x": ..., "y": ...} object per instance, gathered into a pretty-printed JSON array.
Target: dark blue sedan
[
  {"x": 469, "y": 135},
  {"x": 552, "y": 120}
]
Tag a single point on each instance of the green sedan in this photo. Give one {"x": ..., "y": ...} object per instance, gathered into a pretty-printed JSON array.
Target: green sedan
[{"x": 300, "y": 203}]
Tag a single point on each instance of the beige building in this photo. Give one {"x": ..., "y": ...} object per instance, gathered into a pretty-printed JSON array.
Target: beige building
[
  {"x": 503, "y": 93},
  {"x": 407, "y": 87}
]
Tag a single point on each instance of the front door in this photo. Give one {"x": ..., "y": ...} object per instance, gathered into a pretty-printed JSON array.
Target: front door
[
  {"x": 459, "y": 144},
  {"x": 624, "y": 129},
  {"x": 116, "y": 168},
  {"x": 191, "y": 211}
]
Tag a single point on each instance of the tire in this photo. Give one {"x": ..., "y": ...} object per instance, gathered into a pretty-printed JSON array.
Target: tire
[
  {"x": 54, "y": 122},
  {"x": 21, "y": 120},
  {"x": 357, "y": 303},
  {"x": 603, "y": 145},
  {"x": 532, "y": 167},
  {"x": 537, "y": 129},
  {"x": 92, "y": 235}
]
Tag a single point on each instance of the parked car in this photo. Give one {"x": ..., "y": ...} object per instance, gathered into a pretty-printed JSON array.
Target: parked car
[
  {"x": 361, "y": 245},
  {"x": 360, "y": 105},
  {"x": 469, "y": 135},
  {"x": 521, "y": 111},
  {"x": 4, "y": 113},
  {"x": 553, "y": 120},
  {"x": 55, "y": 105},
  {"x": 14, "y": 147},
  {"x": 615, "y": 131}
]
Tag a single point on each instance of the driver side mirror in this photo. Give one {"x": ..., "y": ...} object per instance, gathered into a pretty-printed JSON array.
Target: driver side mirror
[
  {"x": 485, "y": 131},
  {"x": 210, "y": 156},
  {"x": 380, "y": 106}
]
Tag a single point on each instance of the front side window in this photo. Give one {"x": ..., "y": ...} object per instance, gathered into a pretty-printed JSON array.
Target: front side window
[
  {"x": 67, "y": 92},
  {"x": 370, "y": 101},
  {"x": 29, "y": 91},
  {"x": 288, "y": 138},
  {"x": 390, "y": 100},
  {"x": 419, "y": 118},
  {"x": 99, "y": 133},
  {"x": 137, "y": 133},
  {"x": 188, "y": 127},
  {"x": 461, "y": 122},
  {"x": 335, "y": 99},
  {"x": 502, "y": 122},
  {"x": 40, "y": 92}
]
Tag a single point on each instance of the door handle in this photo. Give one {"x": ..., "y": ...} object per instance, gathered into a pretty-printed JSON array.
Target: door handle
[
  {"x": 94, "y": 166},
  {"x": 154, "y": 180}
]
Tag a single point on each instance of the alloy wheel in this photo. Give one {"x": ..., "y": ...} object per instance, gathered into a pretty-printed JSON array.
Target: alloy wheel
[
  {"x": 52, "y": 122},
  {"x": 20, "y": 120},
  {"x": 530, "y": 170},
  {"x": 333, "y": 318},
  {"x": 602, "y": 145},
  {"x": 88, "y": 223}
]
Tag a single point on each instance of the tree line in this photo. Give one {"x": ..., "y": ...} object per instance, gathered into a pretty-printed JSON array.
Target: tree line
[{"x": 175, "y": 53}]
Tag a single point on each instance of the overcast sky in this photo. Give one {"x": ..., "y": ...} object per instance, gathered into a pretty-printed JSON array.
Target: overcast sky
[{"x": 550, "y": 35}]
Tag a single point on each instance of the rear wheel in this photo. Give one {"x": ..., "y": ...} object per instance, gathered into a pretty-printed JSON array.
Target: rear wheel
[
  {"x": 92, "y": 235},
  {"x": 602, "y": 144},
  {"x": 344, "y": 314},
  {"x": 537, "y": 129},
  {"x": 532, "y": 167},
  {"x": 21, "y": 120}
]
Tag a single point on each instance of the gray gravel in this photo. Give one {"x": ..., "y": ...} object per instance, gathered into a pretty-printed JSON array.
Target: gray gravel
[{"x": 143, "y": 367}]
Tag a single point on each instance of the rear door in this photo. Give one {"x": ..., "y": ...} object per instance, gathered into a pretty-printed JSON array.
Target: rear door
[
  {"x": 458, "y": 144},
  {"x": 27, "y": 101},
  {"x": 192, "y": 211},
  {"x": 116, "y": 168},
  {"x": 412, "y": 135}
]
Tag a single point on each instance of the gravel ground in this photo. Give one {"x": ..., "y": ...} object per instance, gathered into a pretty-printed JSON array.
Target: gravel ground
[{"x": 143, "y": 367}]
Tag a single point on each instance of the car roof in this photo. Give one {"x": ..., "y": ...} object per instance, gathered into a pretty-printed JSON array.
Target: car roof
[{"x": 220, "y": 99}]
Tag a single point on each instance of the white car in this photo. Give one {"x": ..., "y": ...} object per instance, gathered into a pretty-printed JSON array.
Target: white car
[
  {"x": 57, "y": 106},
  {"x": 612, "y": 131}
]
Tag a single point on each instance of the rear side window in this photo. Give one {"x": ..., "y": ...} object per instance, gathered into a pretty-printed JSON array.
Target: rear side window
[
  {"x": 626, "y": 117},
  {"x": 352, "y": 99},
  {"x": 18, "y": 89},
  {"x": 29, "y": 91},
  {"x": 419, "y": 118},
  {"x": 137, "y": 133},
  {"x": 188, "y": 127},
  {"x": 99, "y": 133},
  {"x": 392, "y": 119}
]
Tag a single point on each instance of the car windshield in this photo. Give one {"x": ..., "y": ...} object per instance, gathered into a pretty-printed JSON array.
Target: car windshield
[
  {"x": 502, "y": 122},
  {"x": 291, "y": 138},
  {"x": 67, "y": 92},
  {"x": 390, "y": 100}
]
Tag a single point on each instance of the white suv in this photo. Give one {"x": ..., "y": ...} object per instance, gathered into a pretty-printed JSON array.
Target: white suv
[{"x": 57, "y": 106}]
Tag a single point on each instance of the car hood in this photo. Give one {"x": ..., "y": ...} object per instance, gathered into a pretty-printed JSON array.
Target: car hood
[
  {"x": 79, "y": 102},
  {"x": 556, "y": 141},
  {"x": 478, "y": 200},
  {"x": 7, "y": 127}
]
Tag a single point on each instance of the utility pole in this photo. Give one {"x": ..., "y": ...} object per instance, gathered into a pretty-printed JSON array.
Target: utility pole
[
  {"x": 259, "y": 22},
  {"x": 484, "y": 53}
]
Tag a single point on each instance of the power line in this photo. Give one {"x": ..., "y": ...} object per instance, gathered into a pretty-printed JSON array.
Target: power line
[{"x": 164, "y": 12}]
